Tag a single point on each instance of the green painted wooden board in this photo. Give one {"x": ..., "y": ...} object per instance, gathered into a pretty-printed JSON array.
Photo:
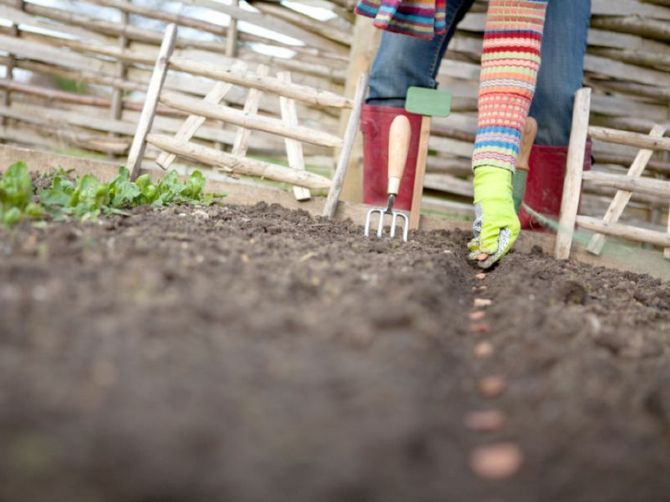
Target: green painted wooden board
[{"x": 431, "y": 102}]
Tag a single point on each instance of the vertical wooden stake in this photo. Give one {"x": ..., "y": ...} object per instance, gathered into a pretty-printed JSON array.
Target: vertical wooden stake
[
  {"x": 296, "y": 159},
  {"x": 621, "y": 198},
  {"x": 11, "y": 64},
  {"x": 347, "y": 144},
  {"x": 420, "y": 172},
  {"x": 573, "y": 175},
  {"x": 231, "y": 33},
  {"x": 151, "y": 101}
]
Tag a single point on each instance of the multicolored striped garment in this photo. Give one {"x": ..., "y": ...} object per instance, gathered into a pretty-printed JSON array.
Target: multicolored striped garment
[
  {"x": 416, "y": 18},
  {"x": 510, "y": 62}
]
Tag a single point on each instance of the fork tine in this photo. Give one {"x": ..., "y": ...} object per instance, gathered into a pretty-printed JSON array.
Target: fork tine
[
  {"x": 380, "y": 227},
  {"x": 394, "y": 217}
]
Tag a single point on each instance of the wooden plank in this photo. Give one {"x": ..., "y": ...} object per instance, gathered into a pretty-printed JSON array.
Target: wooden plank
[
  {"x": 194, "y": 122},
  {"x": 419, "y": 173},
  {"x": 330, "y": 207},
  {"x": 363, "y": 50},
  {"x": 573, "y": 175},
  {"x": 630, "y": 232},
  {"x": 151, "y": 102},
  {"x": 241, "y": 142},
  {"x": 294, "y": 152},
  {"x": 238, "y": 165},
  {"x": 256, "y": 122},
  {"x": 622, "y": 197},
  {"x": 629, "y": 138}
]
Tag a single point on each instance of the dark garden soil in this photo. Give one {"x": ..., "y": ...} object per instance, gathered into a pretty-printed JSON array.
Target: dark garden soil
[{"x": 256, "y": 354}]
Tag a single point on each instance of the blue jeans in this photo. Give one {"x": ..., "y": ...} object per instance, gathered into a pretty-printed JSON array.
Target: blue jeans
[{"x": 402, "y": 62}]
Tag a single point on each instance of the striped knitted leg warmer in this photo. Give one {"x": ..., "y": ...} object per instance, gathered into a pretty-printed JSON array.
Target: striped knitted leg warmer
[{"x": 510, "y": 62}]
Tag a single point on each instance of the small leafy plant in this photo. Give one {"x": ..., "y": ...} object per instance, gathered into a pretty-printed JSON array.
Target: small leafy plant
[{"x": 86, "y": 197}]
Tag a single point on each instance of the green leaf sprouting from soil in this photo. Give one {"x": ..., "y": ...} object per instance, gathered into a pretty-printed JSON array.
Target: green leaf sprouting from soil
[
  {"x": 87, "y": 197},
  {"x": 16, "y": 194}
]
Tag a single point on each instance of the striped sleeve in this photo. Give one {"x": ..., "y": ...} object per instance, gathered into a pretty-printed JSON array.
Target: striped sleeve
[{"x": 510, "y": 63}]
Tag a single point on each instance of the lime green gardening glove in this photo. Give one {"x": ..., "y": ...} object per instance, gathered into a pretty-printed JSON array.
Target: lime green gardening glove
[{"x": 496, "y": 224}]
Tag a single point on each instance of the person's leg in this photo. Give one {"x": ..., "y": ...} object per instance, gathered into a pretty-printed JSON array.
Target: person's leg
[
  {"x": 561, "y": 75},
  {"x": 403, "y": 61},
  {"x": 400, "y": 63}
]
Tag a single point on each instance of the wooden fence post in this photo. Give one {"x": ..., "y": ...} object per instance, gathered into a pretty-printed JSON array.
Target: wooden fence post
[
  {"x": 151, "y": 102},
  {"x": 573, "y": 174}
]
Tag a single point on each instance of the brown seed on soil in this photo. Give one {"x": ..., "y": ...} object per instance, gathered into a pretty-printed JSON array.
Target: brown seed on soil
[
  {"x": 479, "y": 327},
  {"x": 491, "y": 386},
  {"x": 496, "y": 461},
  {"x": 483, "y": 350},
  {"x": 477, "y": 315},
  {"x": 480, "y": 276},
  {"x": 483, "y": 256},
  {"x": 485, "y": 421},
  {"x": 482, "y": 302}
]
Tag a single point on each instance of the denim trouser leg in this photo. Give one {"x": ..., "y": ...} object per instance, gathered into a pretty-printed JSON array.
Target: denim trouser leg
[
  {"x": 561, "y": 73},
  {"x": 403, "y": 61}
]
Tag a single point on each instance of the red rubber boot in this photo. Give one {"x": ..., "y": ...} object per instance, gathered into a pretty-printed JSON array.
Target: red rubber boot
[
  {"x": 375, "y": 124},
  {"x": 544, "y": 188}
]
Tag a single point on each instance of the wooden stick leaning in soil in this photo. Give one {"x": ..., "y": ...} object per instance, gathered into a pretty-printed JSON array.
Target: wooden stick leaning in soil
[
  {"x": 149, "y": 109},
  {"x": 251, "y": 104},
  {"x": 330, "y": 206},
  {"x": 622, "y": 197},
  {"x": 296, "y": 159},
  {"x": 238, "y": 165},
  {"x": 573, "y": 176},
  {"x": 193, "y": 122}
]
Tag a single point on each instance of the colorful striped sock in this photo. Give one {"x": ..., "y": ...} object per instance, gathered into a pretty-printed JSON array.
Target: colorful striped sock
[{"x": 510, "y": 62}]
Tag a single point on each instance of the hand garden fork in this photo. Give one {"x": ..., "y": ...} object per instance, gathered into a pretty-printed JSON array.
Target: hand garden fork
[{"x": 399, "y": 137}]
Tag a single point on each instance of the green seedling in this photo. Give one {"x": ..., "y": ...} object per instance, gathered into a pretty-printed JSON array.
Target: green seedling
[{"x": 87, "y": 197}]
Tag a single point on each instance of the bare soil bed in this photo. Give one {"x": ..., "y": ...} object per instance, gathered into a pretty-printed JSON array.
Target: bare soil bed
[{"x": 257, "y": 354}]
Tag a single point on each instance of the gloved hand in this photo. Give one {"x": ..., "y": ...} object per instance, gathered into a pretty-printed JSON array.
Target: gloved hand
[{"x": 496, "y": 224}]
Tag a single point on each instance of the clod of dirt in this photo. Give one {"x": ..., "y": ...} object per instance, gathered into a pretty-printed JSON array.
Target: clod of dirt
[
  {"x": 657, "y": 402},
  {"x": 485, "y": 421},
  {"x": 496, "y": 461},
  {"x": 492, "y": 386},
  {"x": 571, "y": 293}
]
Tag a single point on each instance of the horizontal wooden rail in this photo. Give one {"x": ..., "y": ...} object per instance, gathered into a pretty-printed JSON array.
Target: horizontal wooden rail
[
  {"x": 268, "y": 84},
  {"x": 626, "y": 231},
  {"x": 629, "y": 138},
  {"x": 255, "y": 122},
  {"x": 647, "y": 186},
  {"x": 238, "y": 165}
]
